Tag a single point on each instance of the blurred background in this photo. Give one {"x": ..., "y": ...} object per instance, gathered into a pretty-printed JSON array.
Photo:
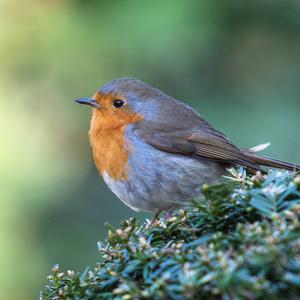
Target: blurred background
[{"x": 236, "y": 62}]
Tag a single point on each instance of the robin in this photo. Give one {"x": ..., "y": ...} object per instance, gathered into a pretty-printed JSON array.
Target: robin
[{"x": 155, "y": 152}]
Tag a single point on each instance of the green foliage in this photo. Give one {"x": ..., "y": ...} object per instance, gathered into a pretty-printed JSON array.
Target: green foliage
[{"x": 240, "y": 241}]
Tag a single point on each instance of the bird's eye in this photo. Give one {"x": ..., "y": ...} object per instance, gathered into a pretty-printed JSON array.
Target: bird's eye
[{"x": 118, "y": 103}]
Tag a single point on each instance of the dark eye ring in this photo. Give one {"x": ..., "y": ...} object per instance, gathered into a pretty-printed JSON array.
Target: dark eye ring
[{"x": 118, "y": 103}]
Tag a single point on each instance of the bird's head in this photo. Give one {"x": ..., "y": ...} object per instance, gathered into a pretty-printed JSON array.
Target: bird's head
[{"x": 122, "y": 102}]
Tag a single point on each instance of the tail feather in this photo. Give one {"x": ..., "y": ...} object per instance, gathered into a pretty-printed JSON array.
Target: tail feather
[{"x": 270, "y": 162}]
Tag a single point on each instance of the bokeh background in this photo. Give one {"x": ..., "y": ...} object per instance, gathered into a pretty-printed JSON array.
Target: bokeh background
[{"x": 237, "y": 62}]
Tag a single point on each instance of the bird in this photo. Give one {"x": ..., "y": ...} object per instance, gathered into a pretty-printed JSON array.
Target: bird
[{"x": 156, "y": 152}]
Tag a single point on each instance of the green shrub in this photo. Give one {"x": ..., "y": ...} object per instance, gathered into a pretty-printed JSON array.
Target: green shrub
[{"x": 241, "y": 241}]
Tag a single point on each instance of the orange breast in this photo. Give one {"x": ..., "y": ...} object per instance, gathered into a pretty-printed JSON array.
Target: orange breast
[
  {"x": 111, "y": 153},
  {"x": 110, "y": 149}
]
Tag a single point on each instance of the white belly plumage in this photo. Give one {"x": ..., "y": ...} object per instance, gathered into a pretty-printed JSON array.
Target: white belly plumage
[{"x": 160, "y": 180}]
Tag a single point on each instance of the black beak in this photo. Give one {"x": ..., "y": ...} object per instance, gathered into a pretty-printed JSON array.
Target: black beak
[{"x": 88, "y": 101}]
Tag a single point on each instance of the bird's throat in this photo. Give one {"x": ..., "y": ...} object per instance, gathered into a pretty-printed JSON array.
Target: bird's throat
[{"x": 110, "y": 151}]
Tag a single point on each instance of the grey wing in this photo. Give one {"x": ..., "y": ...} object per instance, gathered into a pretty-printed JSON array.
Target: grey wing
[{"x": 200, "y": 139}]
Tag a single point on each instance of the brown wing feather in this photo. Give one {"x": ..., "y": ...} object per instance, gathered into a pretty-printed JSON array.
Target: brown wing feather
[
  {"x": 201, "y": 140},
  {"x": 218, "y": 147},
  {"x": 177, "y": 128}
]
